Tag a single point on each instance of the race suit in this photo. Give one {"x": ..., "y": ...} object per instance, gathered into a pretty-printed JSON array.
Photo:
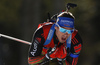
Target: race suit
[{"x": 38, "y": 50}]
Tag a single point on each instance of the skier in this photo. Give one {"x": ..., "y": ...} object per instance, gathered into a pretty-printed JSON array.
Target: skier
[{"x": 58, "y": 41}]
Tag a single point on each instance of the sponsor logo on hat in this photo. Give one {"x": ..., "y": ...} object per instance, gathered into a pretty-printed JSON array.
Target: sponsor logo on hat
[{"x": 66, "y": 21}]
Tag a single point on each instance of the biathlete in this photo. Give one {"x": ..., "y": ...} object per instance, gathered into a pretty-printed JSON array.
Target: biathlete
[{"x": 59, "y": 42}]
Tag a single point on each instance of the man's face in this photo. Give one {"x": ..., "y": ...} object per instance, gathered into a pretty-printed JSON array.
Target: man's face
[{"x": 62, "y": 37}]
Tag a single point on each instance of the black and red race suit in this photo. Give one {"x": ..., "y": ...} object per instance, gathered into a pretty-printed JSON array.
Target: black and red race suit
[{"x": 38, "y": 50}]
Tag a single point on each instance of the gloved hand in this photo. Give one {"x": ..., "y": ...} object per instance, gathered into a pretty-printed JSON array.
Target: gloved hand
[
  {"x": 52, "y": 53},
  {"x": 57, "y": 52},
  {"x": 62, "y": 53}
]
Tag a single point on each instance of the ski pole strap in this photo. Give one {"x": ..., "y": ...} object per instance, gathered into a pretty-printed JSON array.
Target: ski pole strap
[
  {"x": 74, "y": 55},
  {"x": 50, "y": 35}
]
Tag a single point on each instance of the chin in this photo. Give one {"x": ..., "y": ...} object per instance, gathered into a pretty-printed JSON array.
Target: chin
[{"x": 62, "y": 41}]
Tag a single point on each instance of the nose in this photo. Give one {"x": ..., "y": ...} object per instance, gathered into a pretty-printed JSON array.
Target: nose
[{"x": 66, "y": 34}]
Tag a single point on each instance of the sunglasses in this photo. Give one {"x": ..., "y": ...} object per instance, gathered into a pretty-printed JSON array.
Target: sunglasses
[{"x": 65, "y": 30}]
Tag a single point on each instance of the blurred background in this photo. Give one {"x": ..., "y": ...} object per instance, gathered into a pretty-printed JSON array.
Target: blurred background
[{"x": 20, "y": 18}]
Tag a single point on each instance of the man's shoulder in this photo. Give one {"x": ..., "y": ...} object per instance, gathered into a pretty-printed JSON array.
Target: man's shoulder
[
  {"x": 76, "y": 37},
  {"x": 74, "y": 33},
  {"x": 44, "y": 30},
  {"x": 47, "y": 26}
]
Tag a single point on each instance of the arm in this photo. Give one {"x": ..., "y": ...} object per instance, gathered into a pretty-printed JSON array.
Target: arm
[
  {"x": 35, "y": 56},
  {"x": 75, "y": 50}
]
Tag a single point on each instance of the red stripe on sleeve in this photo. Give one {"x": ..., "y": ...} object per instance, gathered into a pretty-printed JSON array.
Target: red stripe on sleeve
[
  {"x": 32, "y": 61},
  {"x": 75, "y": 60},
  {"x": 77, "y": 47}
]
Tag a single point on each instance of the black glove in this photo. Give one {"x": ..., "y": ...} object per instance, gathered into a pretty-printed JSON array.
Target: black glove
[{"x": 51, "y": 53}]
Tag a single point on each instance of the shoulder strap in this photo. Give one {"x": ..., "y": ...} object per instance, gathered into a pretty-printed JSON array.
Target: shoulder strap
[
  {"x": 50, "y": 35},
  {"x": 68, "y": 42}
]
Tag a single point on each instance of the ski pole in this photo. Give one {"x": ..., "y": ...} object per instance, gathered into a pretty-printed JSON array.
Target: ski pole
[{"x": 15, "y": 39}]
